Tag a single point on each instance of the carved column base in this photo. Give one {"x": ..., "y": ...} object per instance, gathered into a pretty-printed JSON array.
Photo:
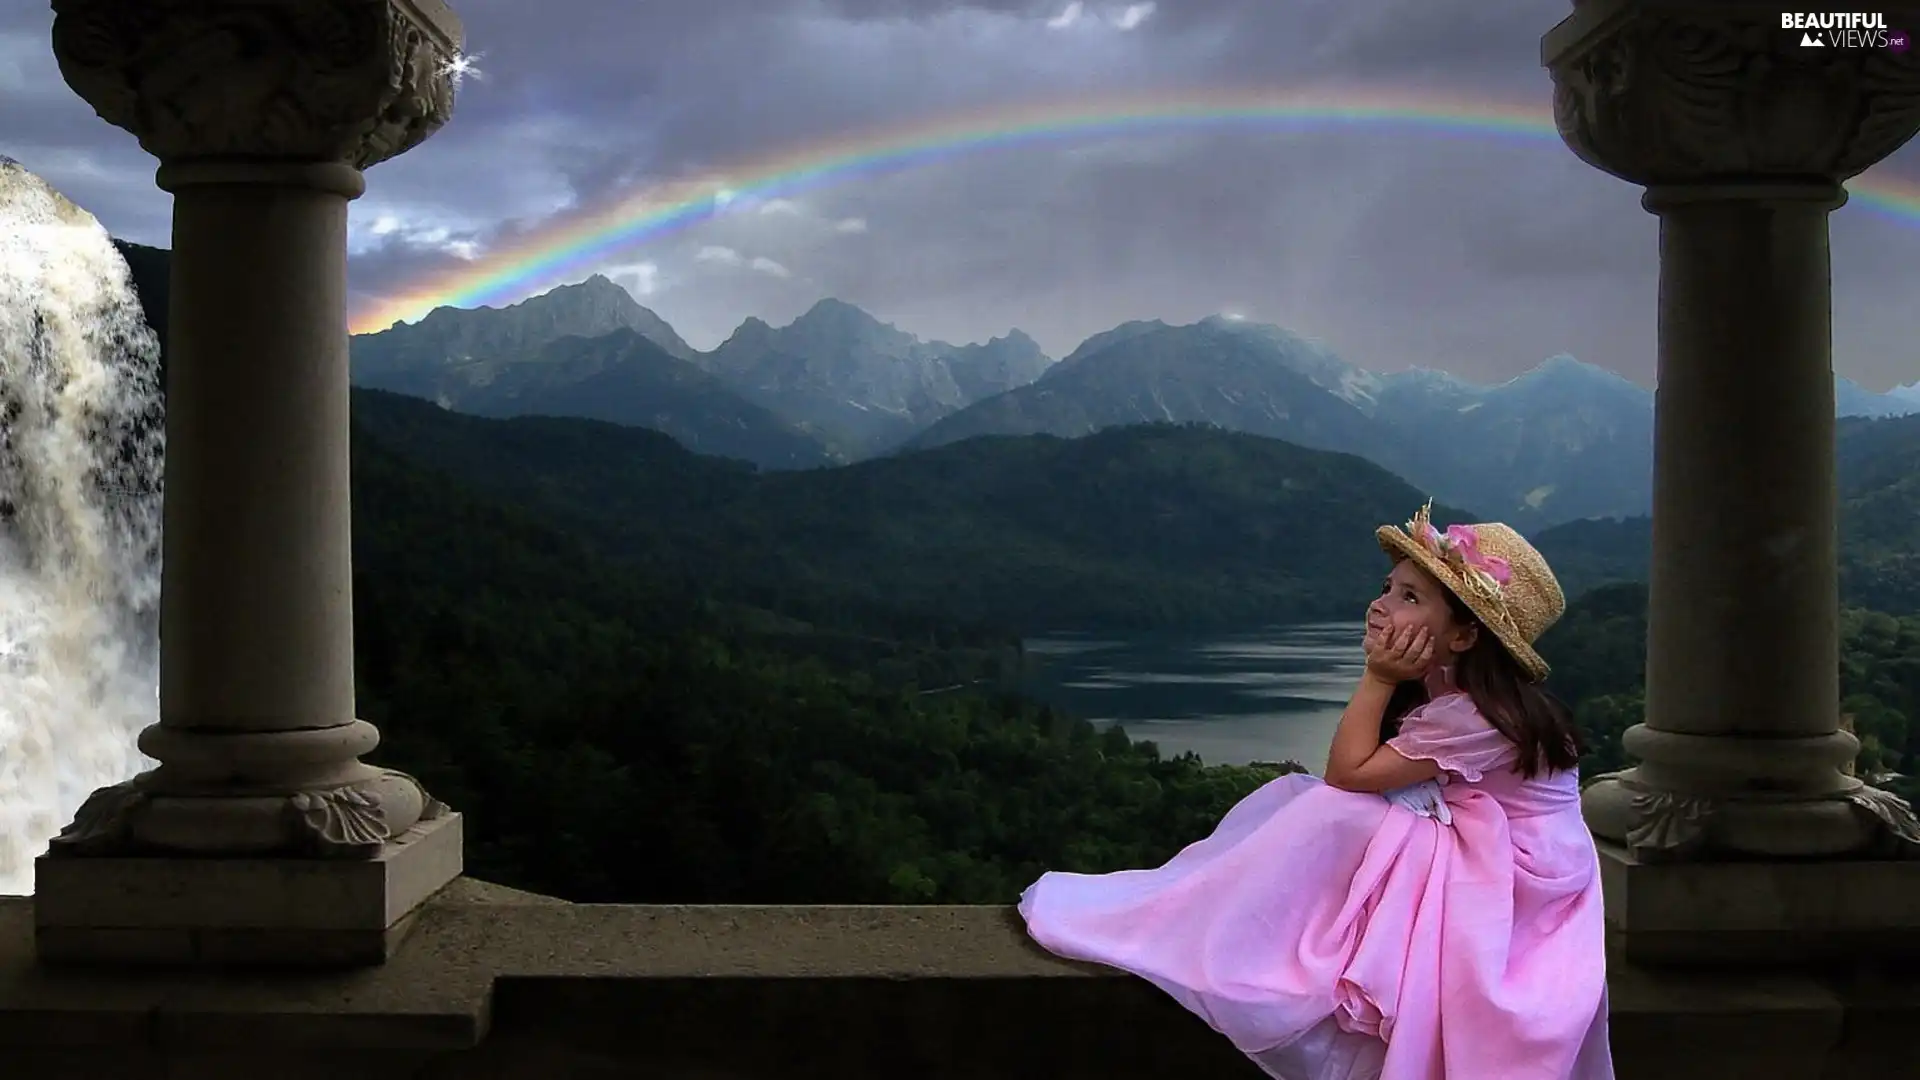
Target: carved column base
[
  {"x": 352, "y": 820},
  {"x": 1656, "y": 824},
  {"x": 244, "y": 912},
  {"x": 173, "y": 867}
]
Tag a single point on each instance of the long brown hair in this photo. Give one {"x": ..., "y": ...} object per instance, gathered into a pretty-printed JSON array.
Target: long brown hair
[{"x": 1531, "y": 718}]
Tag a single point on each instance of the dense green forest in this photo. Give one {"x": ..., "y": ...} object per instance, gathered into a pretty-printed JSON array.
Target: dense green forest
[
  {"x": 613, "y": 740},
  {"x": 1130, "y": 528},
  {"x": 616, "y": 735}
]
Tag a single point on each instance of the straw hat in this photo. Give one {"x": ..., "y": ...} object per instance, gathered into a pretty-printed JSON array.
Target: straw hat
[{"x": 1494, "y": 571}]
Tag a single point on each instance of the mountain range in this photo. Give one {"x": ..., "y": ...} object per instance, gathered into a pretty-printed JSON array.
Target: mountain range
[
  {"x": 836, "y": 384},
  {"x": 1567, "y": 440},
  {"x": 1137, "y": 525},
  {"x": 1141, "y": 527},
  {"x": 862, "y": 386},
  {"x": 1852, "y": 399},
  {"x": 1563, "y": 442}
]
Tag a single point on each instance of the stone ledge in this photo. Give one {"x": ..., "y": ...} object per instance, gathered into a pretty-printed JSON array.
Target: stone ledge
[
  {"x": 498, "y": 984},
  {"x": 435, "y": 993}
]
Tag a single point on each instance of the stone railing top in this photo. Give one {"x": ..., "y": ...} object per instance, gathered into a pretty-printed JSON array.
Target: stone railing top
[{"x": 436, "y": 993}]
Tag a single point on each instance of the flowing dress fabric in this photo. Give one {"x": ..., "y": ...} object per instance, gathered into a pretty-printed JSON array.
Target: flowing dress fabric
[{"x": 1334, "y": 935}]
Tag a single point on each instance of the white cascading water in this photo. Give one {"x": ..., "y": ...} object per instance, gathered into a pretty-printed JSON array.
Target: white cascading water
[{"x": 80, "y": 460}]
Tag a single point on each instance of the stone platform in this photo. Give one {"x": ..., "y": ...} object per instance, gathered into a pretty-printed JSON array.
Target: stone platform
[{"x": 494, "y": 984}]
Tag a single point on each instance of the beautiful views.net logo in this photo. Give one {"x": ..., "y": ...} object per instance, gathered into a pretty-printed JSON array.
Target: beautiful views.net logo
[{"x": 1844, "y": 30}]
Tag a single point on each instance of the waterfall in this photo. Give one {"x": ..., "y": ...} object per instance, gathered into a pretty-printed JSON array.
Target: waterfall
[{"x": 81, "y": 443}]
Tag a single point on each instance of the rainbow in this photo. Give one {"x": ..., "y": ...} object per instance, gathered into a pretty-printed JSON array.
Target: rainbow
[{"x": 574, "y": 244}]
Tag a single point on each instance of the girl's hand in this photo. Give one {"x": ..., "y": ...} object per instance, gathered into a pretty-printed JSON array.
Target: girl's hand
[{"x": 1398, "y": 656}]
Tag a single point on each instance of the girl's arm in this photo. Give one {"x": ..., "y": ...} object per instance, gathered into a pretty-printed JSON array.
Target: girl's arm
[{"x": 1358, "y": 761}]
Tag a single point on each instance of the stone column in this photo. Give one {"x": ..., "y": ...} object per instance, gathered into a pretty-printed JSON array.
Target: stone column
[
  {"x": 274, "y": 842},
  {"x": 1742, "y": 138}
]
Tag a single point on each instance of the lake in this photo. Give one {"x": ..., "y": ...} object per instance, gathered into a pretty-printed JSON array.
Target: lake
[{"x": 1269, "y": 695}]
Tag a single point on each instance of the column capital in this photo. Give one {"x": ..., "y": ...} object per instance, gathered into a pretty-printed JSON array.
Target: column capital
[
  {"x": 1679, "y": 92},
  {"x": 353, "y": 81}
]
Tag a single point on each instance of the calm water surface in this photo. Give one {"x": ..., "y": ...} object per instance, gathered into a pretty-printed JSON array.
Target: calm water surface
[{"x": 1272, "y": 695}]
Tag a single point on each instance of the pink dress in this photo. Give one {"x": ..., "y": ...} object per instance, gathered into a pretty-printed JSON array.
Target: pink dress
[{"x": 1333, "y": 935}]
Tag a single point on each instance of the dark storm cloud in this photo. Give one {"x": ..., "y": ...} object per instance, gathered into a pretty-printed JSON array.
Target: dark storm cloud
[
  {"x": 1379, "y": 36},
  {"x": 1478, "y": 255}
]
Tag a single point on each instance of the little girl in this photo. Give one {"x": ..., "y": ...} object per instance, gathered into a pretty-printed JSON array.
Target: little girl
[{"x": 1450, "y": 930}]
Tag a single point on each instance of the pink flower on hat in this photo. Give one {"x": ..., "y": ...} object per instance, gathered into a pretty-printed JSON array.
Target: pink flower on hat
[{"x": 1462, "y": 539}]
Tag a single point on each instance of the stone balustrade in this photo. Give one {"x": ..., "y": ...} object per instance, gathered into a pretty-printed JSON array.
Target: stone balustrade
[{"x": 498, "y": 985}]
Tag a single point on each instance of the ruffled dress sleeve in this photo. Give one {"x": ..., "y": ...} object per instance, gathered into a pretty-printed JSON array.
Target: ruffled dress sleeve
[{"x": 1450, "y": 732}]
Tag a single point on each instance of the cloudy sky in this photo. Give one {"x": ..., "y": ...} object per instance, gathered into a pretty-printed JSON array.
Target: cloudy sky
[{"x": 1397, "y": 246}]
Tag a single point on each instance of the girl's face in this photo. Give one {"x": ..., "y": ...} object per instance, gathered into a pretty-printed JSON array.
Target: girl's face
[{"x": 1411, "y": 597}]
